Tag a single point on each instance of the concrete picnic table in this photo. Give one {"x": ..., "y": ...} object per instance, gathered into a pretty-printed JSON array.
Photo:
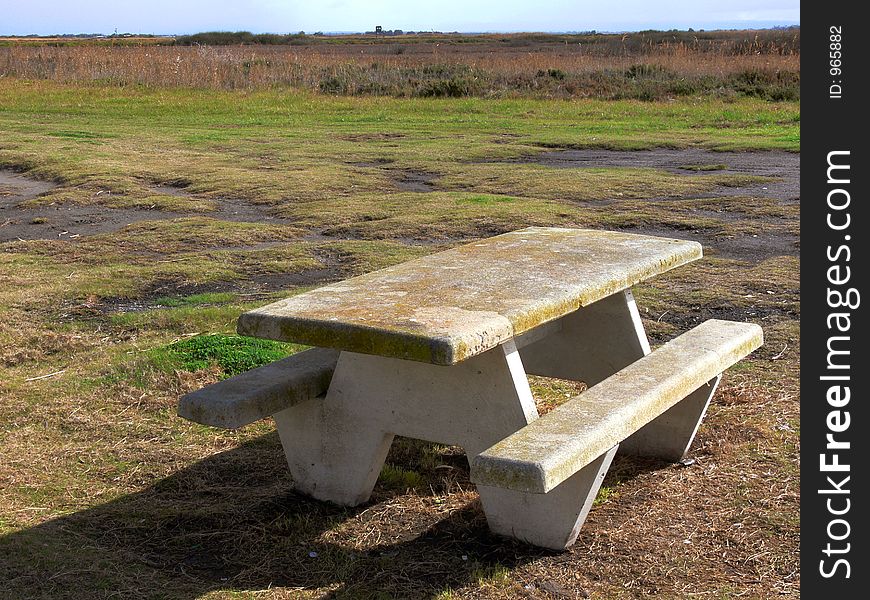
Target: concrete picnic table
[{"x": 439, "y": 348}]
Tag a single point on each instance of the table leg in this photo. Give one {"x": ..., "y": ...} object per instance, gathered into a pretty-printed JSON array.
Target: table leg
[
  {"x": 589, "y": 345},
  {"x": 336, "y": 448},
  {"x": 553, "y": 520},
  {"x": 592, "y": 343},
  {"x": 331, "y": 456}
]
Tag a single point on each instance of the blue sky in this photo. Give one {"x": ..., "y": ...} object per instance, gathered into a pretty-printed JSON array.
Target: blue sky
[{"x": 21, "y": 17}]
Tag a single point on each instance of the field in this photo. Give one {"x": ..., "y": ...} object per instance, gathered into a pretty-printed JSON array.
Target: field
[{"x": 138, "y": 219}]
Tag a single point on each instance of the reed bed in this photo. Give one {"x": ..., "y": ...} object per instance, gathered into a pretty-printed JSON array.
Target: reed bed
[{"x": 649, "y": 71}]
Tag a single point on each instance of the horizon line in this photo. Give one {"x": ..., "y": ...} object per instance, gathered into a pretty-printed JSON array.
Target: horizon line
[{"x": 410, "y": 31}]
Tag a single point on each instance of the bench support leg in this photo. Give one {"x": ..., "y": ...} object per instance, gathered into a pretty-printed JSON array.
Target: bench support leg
[
  {"x": 669, "y": 435},
  {"x": 343, "y": 473},
  {"x": 551, "y": 520},
  {"x": 336, "y": 448},
  {"x": 593, "y": 342}
]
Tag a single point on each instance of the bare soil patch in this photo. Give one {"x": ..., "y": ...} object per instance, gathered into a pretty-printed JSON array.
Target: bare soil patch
[
  {"x": 692, "y": 161},
  {"x": 257, "y": 286},
  {"x": 72, "y": 221},
  {"x": 406, "y": 180},
  {"x": 20, "y": 188},
  {"x": 227, "y": 209},
  {"x": 752, "y": 248},
  {"x": 415, "y": 181},
  {"x": 785, "y": 166}
]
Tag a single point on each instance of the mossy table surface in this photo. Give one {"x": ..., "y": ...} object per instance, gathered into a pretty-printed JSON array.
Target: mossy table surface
[{"x": 447, "y": 307}]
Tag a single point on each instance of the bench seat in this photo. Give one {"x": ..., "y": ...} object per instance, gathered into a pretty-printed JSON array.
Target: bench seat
[
  {"x": 261, "y": 392},
  {"x": 551, "y": 449}
]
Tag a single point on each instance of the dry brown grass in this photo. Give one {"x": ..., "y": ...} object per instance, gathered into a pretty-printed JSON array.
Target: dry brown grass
[
  {"x": 202, "y": 523},
  {"x": 481, "y": 66}
]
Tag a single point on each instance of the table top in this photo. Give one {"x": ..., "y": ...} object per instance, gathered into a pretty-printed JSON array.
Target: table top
[{"x": 447, "y": 307}]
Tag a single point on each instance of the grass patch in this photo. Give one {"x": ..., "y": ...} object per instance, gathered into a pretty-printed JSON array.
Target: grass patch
[
  {"x": 400, "y": 479},
  {"x": 231, "y": 353},
  {"x": 537, "y": 181},
  {"x": 491, "y": 575},
  {"x": 605, "y": 493},
  {"x": 180, "y": 320},
  {"x": 484, "y": 199}
]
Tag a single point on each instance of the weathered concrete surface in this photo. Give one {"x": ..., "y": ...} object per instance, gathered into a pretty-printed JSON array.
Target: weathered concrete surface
[
  {"x": 336, "y": 448},
  {"x": 550, "y": 520},
  {"x": 258, "y": 393},
  {"x": 548, "y": 451},
  {"x": 670, "y": 435},
  {"x": 591, "y": 344},
  {"x": 452, "y": 305}
]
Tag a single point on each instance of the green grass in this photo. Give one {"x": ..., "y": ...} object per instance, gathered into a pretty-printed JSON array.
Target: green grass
[
  {"x": 231, "y": 353},
  {"x": 492, "y": 575},
  {"x": 180, "y": 320},
  {"x": 605, "y": 493},
  {"x": 332, "y": 164},
  {"x": 400, "y": 479},
  {"x": 484, "y": 199}
]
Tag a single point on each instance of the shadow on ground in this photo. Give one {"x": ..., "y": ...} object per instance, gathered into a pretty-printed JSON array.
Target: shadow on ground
[{"x": 222, "y": 525}]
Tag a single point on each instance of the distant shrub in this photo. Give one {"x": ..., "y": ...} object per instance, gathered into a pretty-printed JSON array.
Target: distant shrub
[
  {"x": 644, "y": 71},
  {"x": 558, "y": 74},
  {"x": 685, "y": 87},
  {"x": 650, "y": 65},
  {"x": 331, "y": 85},
  {"x": 443, "y": 70},
  {"x": 455, "y": 87},
  {"x": 769, "y": 85}
]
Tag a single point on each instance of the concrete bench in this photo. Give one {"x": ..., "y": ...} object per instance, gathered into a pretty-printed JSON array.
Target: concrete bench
[
  {"x": 261, "y": 392},
  {"x": 551, "y": 469}
]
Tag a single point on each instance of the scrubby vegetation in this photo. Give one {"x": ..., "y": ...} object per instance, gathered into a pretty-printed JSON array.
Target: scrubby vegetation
[
  {"x": 646, "y": 66},
  {"x": 232, "y": 38}
]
